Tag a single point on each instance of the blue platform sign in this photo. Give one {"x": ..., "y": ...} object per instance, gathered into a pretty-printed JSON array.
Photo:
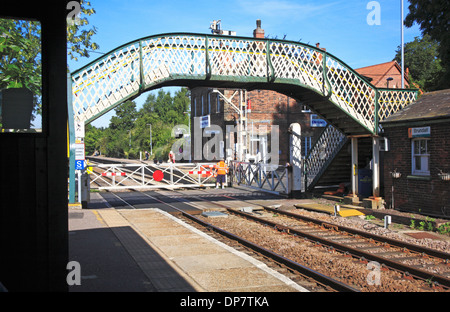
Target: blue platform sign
[
  {"x": 79, "y": 164},
  {"x": 317, "y": 122}
]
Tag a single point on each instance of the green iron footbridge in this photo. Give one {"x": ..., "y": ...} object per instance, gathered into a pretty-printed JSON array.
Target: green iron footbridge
[{"x": 351, "y": 105}]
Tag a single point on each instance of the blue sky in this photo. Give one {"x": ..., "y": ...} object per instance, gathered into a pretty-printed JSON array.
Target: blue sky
[{"x": 340, "y": 26}]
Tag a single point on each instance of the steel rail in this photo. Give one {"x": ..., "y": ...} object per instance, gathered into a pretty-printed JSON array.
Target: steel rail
[
  {"x": 421, "y": 274},
  {"x": 319, "y": 277},
  {"x": 390, "y": 241}
]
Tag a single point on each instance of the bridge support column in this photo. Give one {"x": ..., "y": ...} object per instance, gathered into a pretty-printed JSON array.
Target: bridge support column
[
  {"x": 295, "y": 157},
  {"x": 376, "y": 167},
  {"x": 354, "y": 173}
]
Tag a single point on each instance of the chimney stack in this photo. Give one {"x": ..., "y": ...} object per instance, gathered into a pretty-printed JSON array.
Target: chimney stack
[
  {"x": 258, "y": 32},
  {"x": 318, "y": 47}
]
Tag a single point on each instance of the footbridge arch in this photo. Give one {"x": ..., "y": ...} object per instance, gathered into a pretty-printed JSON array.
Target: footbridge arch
[
  {"x": 318, "y": 79},
  {"x": 312, "y": 76}
]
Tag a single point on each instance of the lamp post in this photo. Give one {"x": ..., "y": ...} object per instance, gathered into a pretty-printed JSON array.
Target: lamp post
[
  {"x": 189, "y": 121},
  {"x": 151, "y": 147},
  {"x": 387, "y": 81}
]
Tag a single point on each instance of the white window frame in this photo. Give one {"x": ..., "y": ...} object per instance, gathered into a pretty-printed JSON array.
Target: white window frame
[
  {"x": 209, "y": 103},
  {"x": 424, "y": 157}
]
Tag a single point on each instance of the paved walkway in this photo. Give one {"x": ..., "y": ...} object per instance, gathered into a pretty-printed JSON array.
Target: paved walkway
[{"x": 150, "y": 250}]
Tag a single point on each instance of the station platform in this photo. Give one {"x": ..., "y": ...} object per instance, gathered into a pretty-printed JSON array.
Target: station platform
[{"x": 149, "y": 250}]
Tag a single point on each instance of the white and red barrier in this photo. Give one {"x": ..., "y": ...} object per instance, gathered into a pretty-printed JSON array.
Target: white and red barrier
[{"x": 113, "y": 174}]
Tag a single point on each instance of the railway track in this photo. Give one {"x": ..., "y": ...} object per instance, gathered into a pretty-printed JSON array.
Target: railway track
[
  {"x": 264, "y": 231},
  {"x": 412, "y": 263},
  {"x": 316, "y": 276},
  {"x": 302, "y": 275}
]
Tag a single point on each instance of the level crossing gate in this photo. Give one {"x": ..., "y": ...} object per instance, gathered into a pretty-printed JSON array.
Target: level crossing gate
[
  {"x": 149, "y": 176},
  {"x": 264, "y": 177}
]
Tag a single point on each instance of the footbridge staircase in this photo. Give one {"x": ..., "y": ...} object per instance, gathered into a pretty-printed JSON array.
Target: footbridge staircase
[{"x": 351, "y": 105}]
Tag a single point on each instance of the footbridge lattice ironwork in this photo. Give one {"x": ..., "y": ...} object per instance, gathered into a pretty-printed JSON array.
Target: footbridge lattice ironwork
[
  {"x": 183, "y": 59},
  {"x": 308, "y": 74}
]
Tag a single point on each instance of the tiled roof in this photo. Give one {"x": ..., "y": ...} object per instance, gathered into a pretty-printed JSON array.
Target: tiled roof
[
  {"x": 431, "y": 105},
  {"x": 377, "y": 74}
]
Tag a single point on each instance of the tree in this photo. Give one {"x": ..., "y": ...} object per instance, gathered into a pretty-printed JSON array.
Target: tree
[
  {"x": 433, "y": 17},
  {"x": 79, "y": 35},
  {"x": 422, "y": 60},
  {"x": 125, "y": 116},
  {"x": 92, "y": 139},
  {"x": 181, "y": 103},
  {"x": 129, "y": 131}
]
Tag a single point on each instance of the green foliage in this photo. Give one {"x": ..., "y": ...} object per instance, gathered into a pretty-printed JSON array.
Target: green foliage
[
  {"x": 128, "y": 133},
  {"x": 20, "y": 54},
  {"x": 427, "y": 224},
  {"x": 444, "y": 228},
  {"x": 433, "y": 17},
  {"x": 422, "y": 59},
  {"x": 79, "y": 36},
  {"x": 20, "y": 57},
  {"x": 412, "y": 225},
  {"x": 125, "y": 116}
]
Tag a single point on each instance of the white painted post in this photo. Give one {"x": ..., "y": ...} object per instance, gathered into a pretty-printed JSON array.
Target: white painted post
[
  {"x": 354, "y": 166},
  {"x": 376, "y": 167},
  {"x": 79, "y": 186},
  {"x": 337, "y": 208},
  {"x": 387, "y": 221},
  {"x": 295, "y": 156}
]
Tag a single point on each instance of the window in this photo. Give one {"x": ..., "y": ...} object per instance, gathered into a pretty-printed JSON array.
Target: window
[
  {"x": 203, "y": 105},
  {"x": 420, "y": 157},
  {"x": 307, "y": 141},
  {"x": 209, "y": 103},
  {"x": 218, "y": 103},
  {"x": 20, "y": 76}
]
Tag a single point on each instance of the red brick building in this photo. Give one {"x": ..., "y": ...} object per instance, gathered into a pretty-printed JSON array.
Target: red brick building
[
  {"x": 261, "y": 109},
  {"x": 385, "y": 75},
  {"x": 419, "y": 152}
]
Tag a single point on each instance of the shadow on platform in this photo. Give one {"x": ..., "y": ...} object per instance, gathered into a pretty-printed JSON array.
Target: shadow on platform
[{"x": 119, "y": 260}]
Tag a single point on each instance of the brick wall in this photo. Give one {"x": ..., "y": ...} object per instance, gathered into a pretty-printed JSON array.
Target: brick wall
[
  {"x": 267, "y": 108},
  {"x": 411, "y": 193}
]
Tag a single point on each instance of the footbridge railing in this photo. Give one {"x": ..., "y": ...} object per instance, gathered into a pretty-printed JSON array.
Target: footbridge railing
[{"x": 322, "y": 154}]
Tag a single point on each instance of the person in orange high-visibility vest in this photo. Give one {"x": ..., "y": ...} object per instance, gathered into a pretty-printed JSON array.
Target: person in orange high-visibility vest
[{"x": 221, "y": 169}]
